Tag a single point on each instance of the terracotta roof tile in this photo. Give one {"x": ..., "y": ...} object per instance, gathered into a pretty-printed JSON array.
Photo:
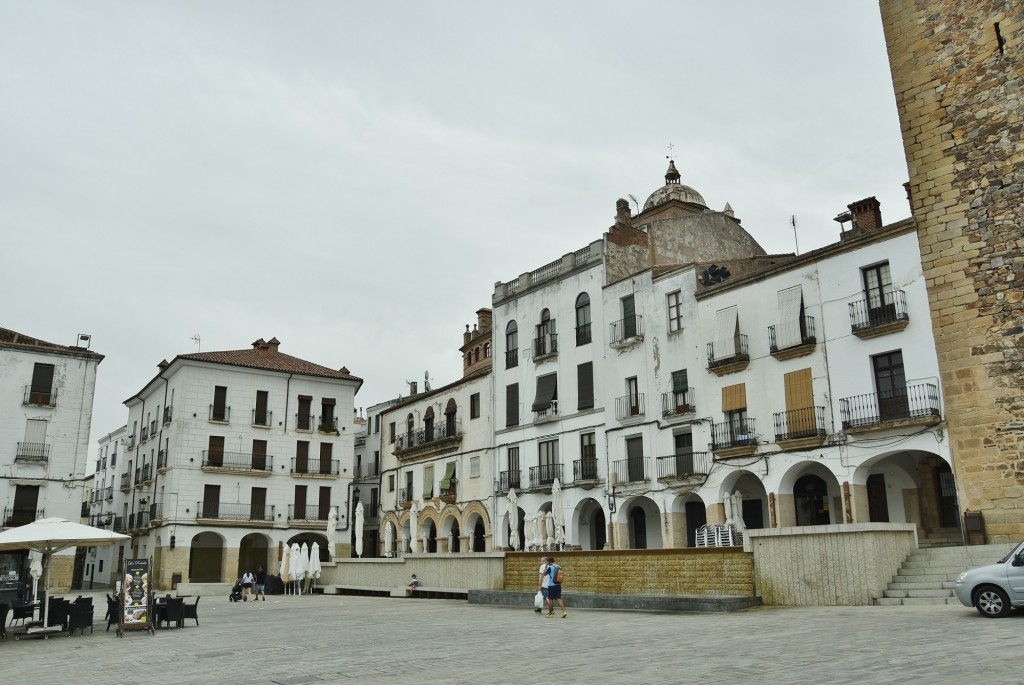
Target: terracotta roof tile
[
  {"x": 15, "y": 339},
  {"x": 271, "y": 361}
]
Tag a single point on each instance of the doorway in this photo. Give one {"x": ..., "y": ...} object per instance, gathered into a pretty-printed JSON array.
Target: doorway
[{"x": 810, "y": 495}]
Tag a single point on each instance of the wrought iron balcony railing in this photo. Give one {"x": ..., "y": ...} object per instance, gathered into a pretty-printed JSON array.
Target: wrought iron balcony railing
[
  {"x": 32, "y": 451},
  {"x": 405, "y": 494},
  {"x": 729, "y": 352},
  {"x": 509, "y": 480},
  {"x": 37, "y": 398},
  {"x": 678, "y": 402},
  {"x": 367, "y": 471},
  {"x": 109, "y": 492},
  {"x": 624, "y": 330},
  {"x": 629, "y": 406},
  {"x": 239, "y": 461},
  {"x": 327, "y": 424},
  {"x": 631, "y": 470},
  {"x": 168, "y": 414},
  {"x": 913, "y": 401},
  {"x": 511, "y": 358},
  {"x": 584, "y": 469},
  {"x": 234, "y": 511},
  {"x": 308, "y": 512},
  {"x": 262, "y": 418},
  {"x": 19, "y": 516},
  {"x": 304, "y": 422},
  {"x": 583, "y": 334},
  {"x": 220, "y": 414},
  {"x": 806, "y": 335},
  {"x": 545, "y": 474},
  {"x": 739, "y": 433},
  {"x": 161, "y": 459},
  {"x": 800, "y": 423},
  {"x": 873, "y": 311},
  {"x": 315, "y": 467},
  {"x": 426, "y": 435},
  {"x": 145, "y": 435},
  {"x": 126, "y": 482},
  {"x": 545, "y": 345},
  {"x": 684, "y": 465}
]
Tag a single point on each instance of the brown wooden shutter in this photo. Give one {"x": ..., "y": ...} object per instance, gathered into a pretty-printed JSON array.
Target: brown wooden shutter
[
  {"x": 259, "y": 455},
  {"x": 325, "y": 503},
  {"x": 215, "y": 455},
  {"x": 585, "y": 385},
  {"x": 300, "y": 502},
  {"x": 302, "y": 456},
  {"x": 799, "y": 402},
  {"x": 258, "y": 505},
  {"x": 326, "y": 452},
  {"x": 734, "y": 397},
  {"x": 512, "y": 405}
]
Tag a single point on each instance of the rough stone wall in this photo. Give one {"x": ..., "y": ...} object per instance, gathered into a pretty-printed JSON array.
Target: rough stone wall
[
  {"x": 704, "y": 572},
  {"x": 958, "y": 83}
]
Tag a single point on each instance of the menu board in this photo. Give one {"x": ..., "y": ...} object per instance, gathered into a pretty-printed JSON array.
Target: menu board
[{"x": 135, "y": 591}]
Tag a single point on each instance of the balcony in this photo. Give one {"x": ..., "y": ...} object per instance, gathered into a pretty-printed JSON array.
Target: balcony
[
  {"x": 126, "y": 482},
  {"x": 511, "y": 358},
  {"x": 32, "y": 452},
  {"x": 405, "y": 497},
  {"x": 37, "y": 398},
  {"x": 913, "y": 405},
  {"x": 315, "y": 467},
  {"x": 685, "y": 466},
  {"x": 147, "y": 473},
  {"x": 583, "y": 336},
  {"x": 585, "y": 470},
  {"x": 367, "y": 471},
  {"x": 220, "y": 414},
  {"x": 119, "y": 526},
  {"x": 509, "y": 480},
  {"x": 131, "y": 442},
  {"x": 360, "y": 440},
  {"x": 627, "y": 332},
  {"x": 544, "y": 475},
  {"x": 631, "y": 470},
  {"x": 304, "y": 422},
  {"x": 545, "y": 347},
  {"x": 168, "y": 414},
  {"x": 235, "y": 511},
  {"x": 109, "y": 493},
  {"x": 800, "y": 427},
  {"x": 156, "y": 513},
  {"x": 431, "y": 439},
  {"x": 161, "y": 459},
  {"x": 145, "y": 435},
  {"x": 798, "y": 345},
  {"x": 138, "y": 476},
  {"x": 873, "y": 316},
  {"x": 734, "y": 438},
  {"x": 327, "y": 424},
  {"x": 308, "y": 512},
  {"x": 19, "y": 516},
  {"x": 629, "y": 407},
  {"x": 546, "y": 415},
  {"x": 449, "y": 494},
  {"x": 138, "y": 520},
  {"x": 678, "y": 403},
  {"x": 262, "y": 418},
  {"x": 238, "y": 461},
  {"x": 731, "y": 356},
  {"x": 101, "y": 520}
]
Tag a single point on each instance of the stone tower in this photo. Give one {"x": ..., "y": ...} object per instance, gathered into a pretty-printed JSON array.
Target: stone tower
[{"x": 958, "y": 73}]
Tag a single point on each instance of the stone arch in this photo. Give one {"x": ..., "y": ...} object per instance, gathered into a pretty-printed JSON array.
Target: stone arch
[
  {"x": 253, "y": 552},
  {"x": 476, "y": 528},
  {"x": 390, "y": 519},
  {"x": 429, "y": 525},
  {"x": 754, "y": 499},
  {"x": 450, "y": 532},
  {"x": 309, "y": 538},
  {"x": 642, "y": 518},
  {"x": 207, "y": 552},
  {"x": 808, "y": 494},
  {"x": 588, "y": 526},
  {"x": 687, "y": 513},
  {"x": 906, "y": 486}
]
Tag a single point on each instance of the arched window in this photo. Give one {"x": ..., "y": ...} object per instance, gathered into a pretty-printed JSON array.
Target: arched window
[
  {"x": 428, "y": 424},
  {"x": 476, "y": 355},
  {"x": 545, "y": 342},
  {"x": 450, "y": 424},
  {"x": 487, "y": 350},
  {"x": 511, "y": 345},
  {"x": 410, "y": 426},
  {"x": 583, "y": 319}
]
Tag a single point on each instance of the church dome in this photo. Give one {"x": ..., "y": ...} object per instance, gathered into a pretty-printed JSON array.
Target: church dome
[{"x": 673, "y": 190}]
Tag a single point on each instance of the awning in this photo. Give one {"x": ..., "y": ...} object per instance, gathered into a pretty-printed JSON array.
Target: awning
[
  {"x": 725, "y": 333},
  {"x": 449, "y": 473},
  {"x": 787, "y": 327},
  {"x": 547, "y": 390}
]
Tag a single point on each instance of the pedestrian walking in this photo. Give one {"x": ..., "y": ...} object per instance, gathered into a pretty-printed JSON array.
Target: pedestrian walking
[
  {"x": 543, "y": 580},
  {"x": 261, "y": 584},
  {"x": 247, "y": 583},
  {"x": 555, "y": 578}
]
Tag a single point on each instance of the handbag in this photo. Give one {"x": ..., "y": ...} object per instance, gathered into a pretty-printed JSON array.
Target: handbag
[{"x": 538, "y": 600}]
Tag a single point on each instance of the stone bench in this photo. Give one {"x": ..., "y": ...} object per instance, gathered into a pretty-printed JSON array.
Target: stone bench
[
  {"x": 364, "y": 590},
  {"x": 437, "y": 592}
]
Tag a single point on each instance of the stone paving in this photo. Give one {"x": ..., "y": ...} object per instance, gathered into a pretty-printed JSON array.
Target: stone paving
[{"x": 332, "y": 639}]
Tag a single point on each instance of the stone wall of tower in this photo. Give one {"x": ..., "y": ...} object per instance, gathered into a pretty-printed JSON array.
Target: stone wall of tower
[{"x": 958, "y": 74}]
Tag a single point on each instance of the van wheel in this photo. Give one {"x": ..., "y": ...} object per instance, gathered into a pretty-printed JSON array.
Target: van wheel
[{"x": 992, "y": 602}]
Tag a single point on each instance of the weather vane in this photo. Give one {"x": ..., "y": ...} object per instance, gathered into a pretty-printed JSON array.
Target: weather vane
[
  {"x": 195, "y": 339},
  {"x": 671, "y": 151}
]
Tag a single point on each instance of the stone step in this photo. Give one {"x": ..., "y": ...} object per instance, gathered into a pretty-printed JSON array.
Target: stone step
[
  {"x": 911, "y": 601},
  {"x": 916, "y": 594},
  {"x": 927, "y": 575},
  {"x": 896, "y": 585}
]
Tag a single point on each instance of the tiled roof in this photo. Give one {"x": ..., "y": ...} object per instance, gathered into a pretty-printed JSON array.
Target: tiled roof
[
  {"x": 271, "y": 361},
  {"x": 15, "y": 339}
]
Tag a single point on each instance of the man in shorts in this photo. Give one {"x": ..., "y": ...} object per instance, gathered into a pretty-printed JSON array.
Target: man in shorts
[
  {"x": 261, "y": 584},
  {"x": 554, "y": 590}
]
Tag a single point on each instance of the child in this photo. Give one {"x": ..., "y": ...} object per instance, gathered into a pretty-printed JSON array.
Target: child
[{"x": 413, "y": 583}]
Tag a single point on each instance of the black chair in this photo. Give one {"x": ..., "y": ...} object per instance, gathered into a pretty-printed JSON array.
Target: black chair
[
  {"x": 79, "y": 617},
  {"x": 20, "y": 612},
  {"x": 4, "y": 609},
  {"x": 192, "y": 610},
  {"x": 173, "y": 612},
  {"x": 57, "y": 612},
  {"x": 113, "y": 612}
]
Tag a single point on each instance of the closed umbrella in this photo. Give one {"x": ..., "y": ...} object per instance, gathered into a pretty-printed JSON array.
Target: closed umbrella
[
  {"x": 414, "y": 523},
  {"x": 389, "y": 538},
  {"x": 304, "y": 553},
  {"x": 359, "y": 530},
  {"x": 35, "y": 570},
  {"x": 513, "y": 519},
  {"x": 50, "y": 535},
  {"x": 314, "y": 562},
  {"x": 556, "y": 510},
  {"x": 285, "y": 566},
  {"x": 332, "y": 528},
  {"x": 548, "y": 527},
  {"x": 296, "y": 570}
]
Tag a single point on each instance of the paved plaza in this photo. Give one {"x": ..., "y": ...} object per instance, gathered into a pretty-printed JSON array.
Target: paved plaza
[{"x": 331, "y": 639}]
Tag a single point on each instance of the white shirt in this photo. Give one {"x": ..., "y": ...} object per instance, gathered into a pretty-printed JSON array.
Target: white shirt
[
  {"x": 248, "y": 578},
  {"x": 546, "y": 580}
]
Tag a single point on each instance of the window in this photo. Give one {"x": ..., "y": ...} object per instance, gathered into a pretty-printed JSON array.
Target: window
[
  {"x": 260, "y": 416},
  {"x": 215, "y": 451},
  {"x": 410, "y": 427},
  {"x": 675, "y": 312},
  {"x": 585, "y": 386},
  {"x": 259, "y": 455},
  {"x": 451, "y": 424},
  {"x": 474, "y": 467},
  {"x": 511, "y": 345},
  {"x": 790, "y": 325},
  {"x": 374, "y": 502},
  {"x": 219, "y": 410},
  {"x": 376, "y": 423},
  {"x": 391, "y": 482},
  {"x": 633, "y": 395},
  {"x": 300, "y": 502},
  {"x": 683, "y": 448},
  {"x": 474, "y": 406},
  {"x": 391, "y": 433},
  {"x": 487, "y": 350},
  {"x": 428, "y": 481},
  {"x": 634, "y": 459},
  {"x": 891, "y": 385},
  {"x": 546, "y": 400},
  {"x": 304, "y": 419},
  {"x": 734, "y": 406},
  {"x": 328, "y": 421},
  {"x": 582, "y": 319},
  {"x": 588, "y": 446},
  {"x": 512, "y": 405},
  {"x": 302, "y": 456},
  {"x": 727, "y": 333},
  {"x": 448, "y": 481},
  {"x": 41, "y": 390},
  {"x": 545, "y": 342},
  {"x": 878, "y": 292},
  {"x": 428, "y": 425},
  {"x": 680, "y": 391},
  {"x": 628, "y": 317},
  {"x": 800, "y": 419},
  {"x": 326, "y": 461},
  {"x": 547, "y": 461}
]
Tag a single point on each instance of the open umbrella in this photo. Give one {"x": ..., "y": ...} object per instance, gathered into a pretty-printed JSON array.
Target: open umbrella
[
  {"x": 332, "y": 527},
  {"x": 285, "y": 566},
  {"x": 389, "y": 538},
  {"x": 314, "y": 562},
  {"x": 296, "y": 570},
  {"x": 47, "y": 536},
  {"x": 556, "y": 510},
  {"x": 304, "y": 553},
  {"x": 513, "y": 519},
  {"x": 414, "y": 515},
  {"x": 359, "y": 530}
]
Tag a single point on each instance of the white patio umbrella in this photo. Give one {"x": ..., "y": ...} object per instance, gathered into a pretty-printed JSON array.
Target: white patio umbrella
[
  {"x": 332, "y": 528},
  {"x": 513, "y": 519},
  {"x": 314, "y": 562},
  {"x": 548, "y": 527},
  {"x": 50, "y": 535},
  {"x": 295, "y": 570},
  {"x": 528, "y": 535},
  {"x": 389, "y": 538},
  {"x": 285, "y": 566},
  {"x": 556, "y": 510},
  {"x": 414, "y": 515},
  {"x": 35, "y": 570},
  {"x": 304, "y": 553},
  {"x": 359, "y": 530}
]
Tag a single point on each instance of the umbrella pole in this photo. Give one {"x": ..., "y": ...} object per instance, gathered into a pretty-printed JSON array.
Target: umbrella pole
[{"x": 46, "y": 587}]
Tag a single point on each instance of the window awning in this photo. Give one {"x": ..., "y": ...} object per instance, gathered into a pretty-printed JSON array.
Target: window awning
[
  {"x": 726, "y": 330},
  {"x": 547, "y": 390},
  {"x": 787, "y": 327},
  {"x": 449, "y": 474}
]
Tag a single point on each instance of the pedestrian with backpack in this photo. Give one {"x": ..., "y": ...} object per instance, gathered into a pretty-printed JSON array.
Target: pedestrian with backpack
[{"x": 554, "y": 590}]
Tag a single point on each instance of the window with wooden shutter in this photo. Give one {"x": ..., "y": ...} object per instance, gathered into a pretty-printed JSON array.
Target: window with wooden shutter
[
  {"x": 512, "y": 405},
  {"x": 734, "y": 397},
  {"x": 585, "y": 385},
  {"x": 800, "y": 418}
]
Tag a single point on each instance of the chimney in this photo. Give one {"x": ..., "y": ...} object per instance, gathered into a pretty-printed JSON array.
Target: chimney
[
  {"x": 273, "y": 344},
  {"x": 257, "y": 344},
  {"x": 466, "y": 337},
  {"x": 162, "y": 365},
  {"x": 866, "y": 214},
  {"x": 910, "y": 196},
  {"x": 412, "y": 388},
  {"x": 622, "y": 213}
]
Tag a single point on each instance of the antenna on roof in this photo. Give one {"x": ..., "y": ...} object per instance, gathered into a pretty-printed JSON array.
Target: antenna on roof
[
  {"x": 792, "y": 219},
  {"x": 426, "y": 381},
  {"x": 196, "y": 339},
  {"x": 671, "y": 151},
  {"x": 635, "y": 202}
]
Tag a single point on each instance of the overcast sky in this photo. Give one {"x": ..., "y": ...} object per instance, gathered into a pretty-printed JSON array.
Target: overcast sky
[{"x": 353, "y": 177}]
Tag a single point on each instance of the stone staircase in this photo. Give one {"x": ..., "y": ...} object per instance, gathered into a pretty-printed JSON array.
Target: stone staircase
[{"x": 928, "y": 574}]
